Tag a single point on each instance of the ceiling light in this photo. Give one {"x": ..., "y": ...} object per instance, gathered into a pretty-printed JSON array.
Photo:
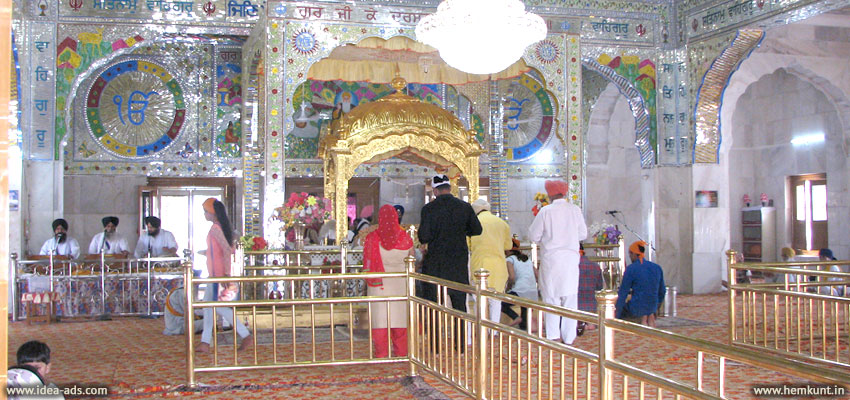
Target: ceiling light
[
  {"x": 481, "y": 36},
  {"x": 803, "y": 140}
]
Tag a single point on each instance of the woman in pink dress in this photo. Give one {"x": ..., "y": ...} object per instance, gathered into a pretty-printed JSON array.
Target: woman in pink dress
[{"x": 219, "y": 250}]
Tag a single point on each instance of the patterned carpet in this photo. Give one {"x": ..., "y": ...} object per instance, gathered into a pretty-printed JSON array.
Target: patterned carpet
[{"x": 135, "y": 360}]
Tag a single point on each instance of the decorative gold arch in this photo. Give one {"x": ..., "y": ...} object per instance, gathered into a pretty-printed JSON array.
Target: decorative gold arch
[{"x": 395, "y": 126}]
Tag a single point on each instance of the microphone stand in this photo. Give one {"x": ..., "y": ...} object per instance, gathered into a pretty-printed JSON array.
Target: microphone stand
[
  {"x": 104, "y": 316},
  {"x": 150, "y": 277},
  {"x": 628, "y": 228}
]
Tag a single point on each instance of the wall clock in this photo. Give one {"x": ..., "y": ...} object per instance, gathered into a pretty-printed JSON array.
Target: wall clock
[
  {"x": 135, "y": 108},
  {"x": 528, "y": 121}
]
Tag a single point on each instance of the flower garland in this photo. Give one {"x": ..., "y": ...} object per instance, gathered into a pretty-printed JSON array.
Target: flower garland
[
  {"x": 540, "y": 200},
  {"x": 304, "y": 208}
]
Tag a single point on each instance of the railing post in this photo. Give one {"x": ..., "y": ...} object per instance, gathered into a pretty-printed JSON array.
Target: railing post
[
  {"x": 343, "y": 257},
  {"x": 732, "y": 280},
  {"x": 606, "y": 300},
  {"x": 13, "y": 283},
  {"x": 621, "y": 267},
  {"x": 189, "y": 314},
  {"x": 535, "y": 257},
  {"x": 481, "y": 345},
  {"x": 410, "y": 263}
]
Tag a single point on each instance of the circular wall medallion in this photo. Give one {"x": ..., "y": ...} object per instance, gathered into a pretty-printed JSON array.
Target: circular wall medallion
[
  {"x": 135, "y": 108},
  {"x": 546, "y": 52},
  {"x": 305, "y": 42},
  {"x": 529, "y": 119}
]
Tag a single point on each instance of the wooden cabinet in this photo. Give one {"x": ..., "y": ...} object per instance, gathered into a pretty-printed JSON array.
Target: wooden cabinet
[{"x": 759, "y": 234}]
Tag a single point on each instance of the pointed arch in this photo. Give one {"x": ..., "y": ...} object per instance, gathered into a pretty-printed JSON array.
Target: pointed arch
[{"x": 637, "y": 105}]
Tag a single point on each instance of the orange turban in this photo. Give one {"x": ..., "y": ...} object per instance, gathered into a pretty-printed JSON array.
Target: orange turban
[
  {"x": 208, "y": 205},
  {"x": 556, "y": 187},
  {"x": 636, "y": 248}
]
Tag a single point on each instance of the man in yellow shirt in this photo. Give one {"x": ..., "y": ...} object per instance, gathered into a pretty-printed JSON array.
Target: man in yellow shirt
[{"x": 488, "y": 252}]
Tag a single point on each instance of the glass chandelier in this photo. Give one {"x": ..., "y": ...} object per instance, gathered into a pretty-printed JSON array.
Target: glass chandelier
[{"x": 481, "y": 36}]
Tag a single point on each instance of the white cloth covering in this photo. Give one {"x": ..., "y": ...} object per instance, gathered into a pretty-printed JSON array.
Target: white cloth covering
[
  {"x": 157, "y": 244},
  {"x": 116, "y": 245},
  {"x": 69, "y": 248}
]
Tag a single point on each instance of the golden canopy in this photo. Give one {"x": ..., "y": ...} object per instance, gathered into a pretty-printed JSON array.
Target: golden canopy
[{"x": 395, "y": 126}]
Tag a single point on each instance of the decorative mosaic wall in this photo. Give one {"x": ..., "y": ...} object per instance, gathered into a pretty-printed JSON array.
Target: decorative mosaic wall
[
  {"x": 167, "y": 106},
  {"x": 299, "y": 35},
  {"x": 318, "y": 103},
  {"x": 700, "y": 58},
  {"x": 708, "y": 102},
  {"x": 641, "y": 74},
  {"x": 674, "y": 113}
]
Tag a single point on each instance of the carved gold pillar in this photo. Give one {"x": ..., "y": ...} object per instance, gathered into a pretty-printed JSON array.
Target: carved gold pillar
[
  {"x": 472, "y": 174},
  {"x": 341, "y": 197}
]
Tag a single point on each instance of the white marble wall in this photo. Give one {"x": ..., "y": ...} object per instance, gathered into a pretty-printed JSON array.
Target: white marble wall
[
  {"x": 614, "y": 178},
  {"x": 521, "y": 193},
  {"x": 407, "y": 192},
  {"x": 41, "y": 202},
  {"x": 88, "y": 198},
  {"x": 711, "y": 227}
]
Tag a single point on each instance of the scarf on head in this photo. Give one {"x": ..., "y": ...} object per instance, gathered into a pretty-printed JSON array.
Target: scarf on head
[
  {"x": 390, "y": 236},
  {"x": 636, "y": 248}
]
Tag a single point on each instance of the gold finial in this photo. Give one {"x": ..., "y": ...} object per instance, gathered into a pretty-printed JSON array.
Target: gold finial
[{"x": 399, "y": 83}]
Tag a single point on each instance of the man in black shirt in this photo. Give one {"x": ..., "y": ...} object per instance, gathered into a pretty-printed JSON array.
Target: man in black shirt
[{"x": 444, "y": 226}]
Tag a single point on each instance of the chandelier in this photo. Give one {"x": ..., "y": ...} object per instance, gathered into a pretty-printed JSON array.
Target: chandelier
[{"x": 481, "y": 36}]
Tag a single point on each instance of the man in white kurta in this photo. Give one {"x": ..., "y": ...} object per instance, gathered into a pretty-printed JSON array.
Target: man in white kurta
[
  {"x": 60, "y": 244},
  {"x": 109, "y": 240},
  {"x": 156, "y": 241},
  {"x": 558, "y": 228}
]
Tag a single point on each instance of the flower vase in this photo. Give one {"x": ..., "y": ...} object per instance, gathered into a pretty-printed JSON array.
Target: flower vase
[{"x": 300, "y": 231}]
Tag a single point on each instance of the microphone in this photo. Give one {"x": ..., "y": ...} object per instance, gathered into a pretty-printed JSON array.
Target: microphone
[
  {"x": 103, "y": 244},
  {"x": 612, "y": 212}
]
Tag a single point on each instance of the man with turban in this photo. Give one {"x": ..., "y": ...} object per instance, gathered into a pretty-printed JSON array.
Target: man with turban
[
  {"x": 558, "y": 228},
  {"x": 644, "y": 279},
  {"x": 108, "y": 240},
  {"x": 488, "y": 252},
  {"x": 61, "y": 244},
  {"x": 444, "y": 226},
  {"x": 155, "y": 242},
  {"x": 399, "y": 209}
]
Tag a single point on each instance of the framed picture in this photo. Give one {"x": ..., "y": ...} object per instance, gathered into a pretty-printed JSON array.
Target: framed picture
[
  {"x": 14, "y": 200},
  {"x": 706, "y": 199}
]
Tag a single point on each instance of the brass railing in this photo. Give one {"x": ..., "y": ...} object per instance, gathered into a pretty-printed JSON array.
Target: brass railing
[
  {"x": 480, "y": 358},
  {"x": 797, "y": 313},
  {"x": 289, "y": 262}
]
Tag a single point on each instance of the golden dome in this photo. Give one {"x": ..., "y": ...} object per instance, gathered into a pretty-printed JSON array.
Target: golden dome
[{"x": 394, "y": 114}]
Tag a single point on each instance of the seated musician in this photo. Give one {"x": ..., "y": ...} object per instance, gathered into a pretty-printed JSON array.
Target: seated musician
[
  {"x": 156, "y": 241},
  {"x": 61, "y": 244},
  {"x": 109, "y": 240}
]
